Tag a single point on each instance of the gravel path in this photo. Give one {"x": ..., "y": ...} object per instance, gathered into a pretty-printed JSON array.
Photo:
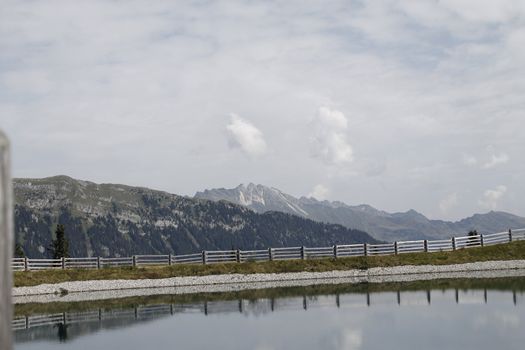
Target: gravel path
[{"x": 103, "y": 289}]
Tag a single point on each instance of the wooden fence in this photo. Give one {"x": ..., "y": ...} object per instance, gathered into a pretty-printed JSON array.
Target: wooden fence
[{"x": 288, "y": 253}]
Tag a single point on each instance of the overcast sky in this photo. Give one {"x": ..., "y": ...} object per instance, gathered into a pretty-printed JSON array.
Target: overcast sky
[{"x": 397, "y": 104}]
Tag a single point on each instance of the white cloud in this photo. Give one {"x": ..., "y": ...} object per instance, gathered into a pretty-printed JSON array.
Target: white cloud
[
  {"x": 496, "y": 159},
  {"x": 244, "y": 135},
  {"x": 332, "y": 119},
  {"x": 330, "y": 143},
  {"x": 448, "y": 203},
  {"x": 319, "y": 192},
  {"x": 350, "y": 339},
  {"x": 491, "y": 198},
  {"x": 493, "y": 160}
]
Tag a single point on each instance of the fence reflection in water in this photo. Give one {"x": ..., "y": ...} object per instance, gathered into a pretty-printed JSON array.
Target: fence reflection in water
[{"x": 266, "y": 305}]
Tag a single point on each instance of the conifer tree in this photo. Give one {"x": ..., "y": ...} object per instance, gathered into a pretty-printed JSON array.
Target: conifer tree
[
  {"x": 60, "y": 245},
  {"x": 19, "y": 251}
]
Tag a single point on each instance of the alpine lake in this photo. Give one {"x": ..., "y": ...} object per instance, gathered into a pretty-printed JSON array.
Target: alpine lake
[{"x": 441, "y": 314}]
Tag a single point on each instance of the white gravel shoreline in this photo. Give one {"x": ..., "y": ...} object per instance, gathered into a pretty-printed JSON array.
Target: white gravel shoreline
[{"x": 104, "y": 289}]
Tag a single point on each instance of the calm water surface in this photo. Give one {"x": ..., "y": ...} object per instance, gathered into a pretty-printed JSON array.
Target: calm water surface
[{"x": 452, "y": 318}]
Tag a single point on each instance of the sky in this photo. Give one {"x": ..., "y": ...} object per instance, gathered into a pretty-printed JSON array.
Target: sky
[{"x": 397, "y": 104}]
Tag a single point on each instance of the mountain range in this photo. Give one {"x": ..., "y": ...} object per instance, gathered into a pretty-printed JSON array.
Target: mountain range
[
  {"x": 380, "y": 224},
  {"x": 118, "y": 220}
]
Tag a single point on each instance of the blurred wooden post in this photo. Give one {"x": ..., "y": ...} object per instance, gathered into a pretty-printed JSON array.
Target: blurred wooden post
[
  {"x": 395, "y": 248},
  {"x": 6, "y": 245},
  {"x": 302, "y": 253},
  {"x": 335, "y": 251},
  {"x": 238, "y": 255},
  {"x": 365, "y": 248},
  {"x": 134, "y": 261},
  {"x": 169, "y": 259},
  {"x": 426, "y": 245},
  {"x": 481, "y": 240},
  {"x": 63, "y": 263},
  {"x": 270, "y": 254},
  {"x": 204, "y": 257},
  {"x": 26, "y": 264},
  {"x": 453, "y": 243},
  {"x": 510, "y": 235},
  {"x": 98, "y": 262}
]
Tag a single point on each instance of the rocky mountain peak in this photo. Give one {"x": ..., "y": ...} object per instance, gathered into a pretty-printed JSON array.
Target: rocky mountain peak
[{"x": 380, "y": 224}]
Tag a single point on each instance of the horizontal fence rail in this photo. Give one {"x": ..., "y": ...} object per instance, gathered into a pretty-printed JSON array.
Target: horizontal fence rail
[{"x": 287, "y": 253}]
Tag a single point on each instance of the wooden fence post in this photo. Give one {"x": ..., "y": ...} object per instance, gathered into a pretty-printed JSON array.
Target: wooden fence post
[
  {"x": 169, "y": 259},
  {"x": 510, "y": 235},
  {"x": 26, "y": 264},
  {"x": 63, "y": 263},
  {"x": 270, "y": 254},
  {"x": 302, "y": 253},
  {"x": 481, "y": 240},
  {"x": 134, "y": 261},
  {"x": 204, "y": 257},
  {"x": 335, "y": 251},
  {"x": 238, "y": 256},
  {"x": 395, "y": 248},
  {"x": 365, "y": 249},
  {"x": 425, "y": 243},
  {"x": 453, "y": 243},
  {"x": 98, "y": 262}
]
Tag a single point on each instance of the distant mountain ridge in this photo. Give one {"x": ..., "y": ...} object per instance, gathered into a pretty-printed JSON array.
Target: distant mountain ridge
[
  {"x": 380, "y": 224},
  {"x": 120, "y": 220}
]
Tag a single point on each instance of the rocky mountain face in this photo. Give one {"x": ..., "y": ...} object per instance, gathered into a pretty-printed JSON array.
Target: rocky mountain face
[
  {"x": 380, "y": 224},
  {"x": 256, "y": 197},
  {"x": 118, "y": 220}
]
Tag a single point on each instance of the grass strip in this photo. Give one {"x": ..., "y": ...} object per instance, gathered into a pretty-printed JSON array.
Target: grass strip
[{"x": 510, "y": 251}]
